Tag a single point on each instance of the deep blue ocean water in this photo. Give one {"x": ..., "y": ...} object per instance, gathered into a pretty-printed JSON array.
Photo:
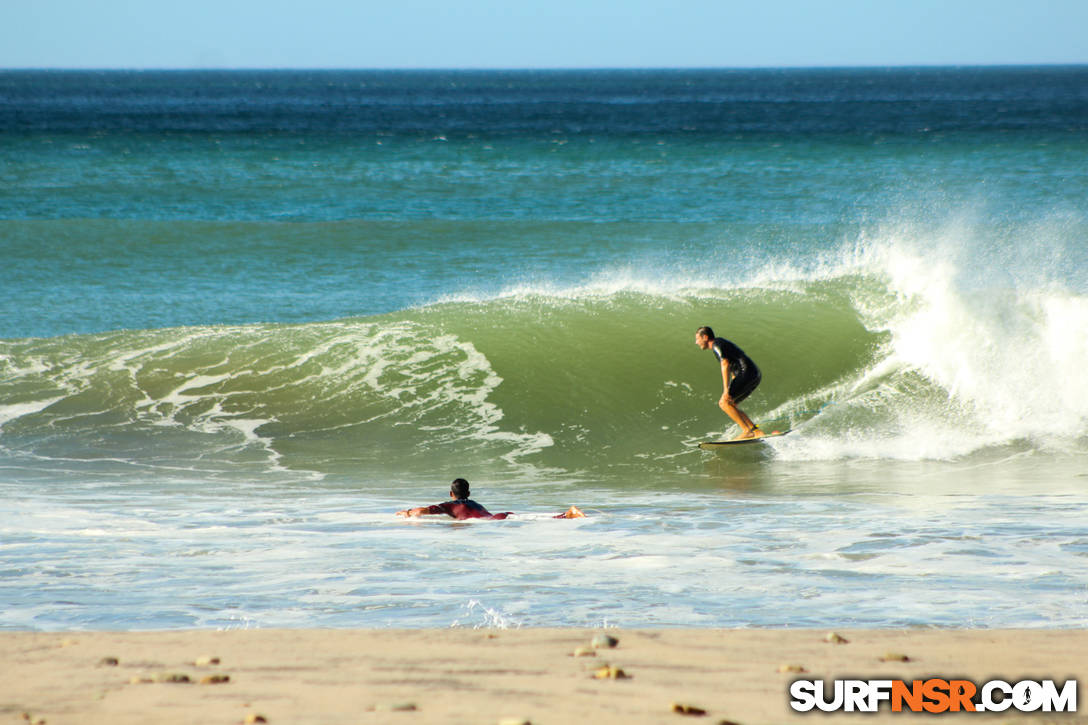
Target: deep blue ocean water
[{"x": 249, "y": 315}]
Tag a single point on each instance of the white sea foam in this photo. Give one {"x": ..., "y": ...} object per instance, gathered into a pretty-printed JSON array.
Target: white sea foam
[
  {"x": 976, "y": 355},
  {"x": 14, "y": 411}
]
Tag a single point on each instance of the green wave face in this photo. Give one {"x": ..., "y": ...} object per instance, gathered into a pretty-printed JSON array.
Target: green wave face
[
  {"x": 582, "y": 380},
  {"x": 615, "y": 379},
  {"x": 605, "y": 380}
]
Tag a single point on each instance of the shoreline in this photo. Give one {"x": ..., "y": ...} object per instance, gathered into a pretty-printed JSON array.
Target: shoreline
[{"x": 421, "y": 676}]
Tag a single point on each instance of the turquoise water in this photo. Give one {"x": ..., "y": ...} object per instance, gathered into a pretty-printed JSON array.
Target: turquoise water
[{"x": 248, "y": 316}]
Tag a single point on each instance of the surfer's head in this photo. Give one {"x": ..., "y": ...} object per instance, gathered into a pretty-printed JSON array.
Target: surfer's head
[
  {"x": 459, "y": 488},
  {"x": 704, "y": 336}
]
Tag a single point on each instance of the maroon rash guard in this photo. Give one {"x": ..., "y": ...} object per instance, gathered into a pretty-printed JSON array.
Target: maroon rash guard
[{"x": 464, "y": 508}]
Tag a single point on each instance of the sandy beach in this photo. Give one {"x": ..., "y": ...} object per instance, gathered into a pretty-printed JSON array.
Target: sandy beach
[{"x": 497, "y": 676}]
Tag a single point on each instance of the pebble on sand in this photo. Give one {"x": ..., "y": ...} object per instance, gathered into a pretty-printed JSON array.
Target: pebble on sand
[
  {"x": 176, "y": 677},
  {"x": 791, "y": 668},
  {"x": 254, "y": 718},
  {"x": 608, "y": 672},
  {"x": 584, "y": 652},
  {"x": 686, "y": 709},
  {"x": 206, "y": 661},
  {"x": 394, "y": 707},
  {"x": 515, "y": 721},
  {"x": 604, "y": 641},
  {"x": 109, "y": 662},
  {"x": 836, "y": 638},
  {"x": 214, "y": 679},
  {"x": 894, "y": 657}
]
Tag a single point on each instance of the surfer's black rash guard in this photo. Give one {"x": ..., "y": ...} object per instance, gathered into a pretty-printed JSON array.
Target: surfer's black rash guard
[
  {"x": 744, "y": 375},
  {"x": 464, "y": 508}
]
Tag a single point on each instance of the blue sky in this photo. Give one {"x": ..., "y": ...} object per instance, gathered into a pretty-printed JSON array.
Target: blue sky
[{"x": 537, "y": 33}]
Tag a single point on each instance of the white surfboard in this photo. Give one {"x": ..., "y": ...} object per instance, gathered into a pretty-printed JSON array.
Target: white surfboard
[{"x": 715, "y": 445}]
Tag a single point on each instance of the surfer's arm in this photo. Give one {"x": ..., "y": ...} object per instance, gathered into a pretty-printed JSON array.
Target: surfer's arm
[
  {"x": 725, "y": 380},
  {"x": 422, "y": 510}
]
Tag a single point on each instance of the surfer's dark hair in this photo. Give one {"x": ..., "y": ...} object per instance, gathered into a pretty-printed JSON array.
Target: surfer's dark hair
[
  {"x": 705, "y": 331},
  {"x": 459, "y": 488}
]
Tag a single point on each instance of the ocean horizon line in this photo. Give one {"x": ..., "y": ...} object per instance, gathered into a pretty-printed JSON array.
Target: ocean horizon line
[{"x": 542, "y": 69}]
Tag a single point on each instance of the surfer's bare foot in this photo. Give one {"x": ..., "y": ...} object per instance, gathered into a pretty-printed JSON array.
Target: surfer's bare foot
[{"x": 754, "y": 433}]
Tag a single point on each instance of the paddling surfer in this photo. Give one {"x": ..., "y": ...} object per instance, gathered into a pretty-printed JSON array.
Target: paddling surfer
[
  {"x": 740, "y": 376},
  {"x": 462, "y": 507}
]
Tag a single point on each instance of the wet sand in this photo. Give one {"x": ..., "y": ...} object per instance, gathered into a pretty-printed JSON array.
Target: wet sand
[{"x": 497, "y": 676}]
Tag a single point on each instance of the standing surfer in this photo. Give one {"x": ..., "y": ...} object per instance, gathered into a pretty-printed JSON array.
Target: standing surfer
[{"x": 740, "y": 376}]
